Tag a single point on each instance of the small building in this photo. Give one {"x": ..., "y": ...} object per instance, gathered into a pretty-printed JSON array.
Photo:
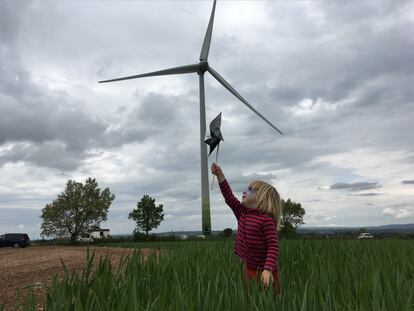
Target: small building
[{"x": 99, "y": 233}]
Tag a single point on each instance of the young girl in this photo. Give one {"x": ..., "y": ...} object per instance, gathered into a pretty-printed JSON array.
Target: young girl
[{"x": 258, "y": 216}]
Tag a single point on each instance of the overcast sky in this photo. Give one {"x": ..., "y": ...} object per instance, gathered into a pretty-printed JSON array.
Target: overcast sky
[{"x": 336, "y": 77}]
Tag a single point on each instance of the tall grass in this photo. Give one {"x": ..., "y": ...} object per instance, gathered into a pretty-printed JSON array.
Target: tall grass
[{"x": 315, "y": 275}]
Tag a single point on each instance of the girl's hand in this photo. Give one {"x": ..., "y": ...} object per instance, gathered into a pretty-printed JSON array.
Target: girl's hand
[
  {"x": 216, "y": 170},
  {"x": 265, "y": 277}
]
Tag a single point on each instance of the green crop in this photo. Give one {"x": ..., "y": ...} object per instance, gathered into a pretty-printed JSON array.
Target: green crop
[{"x": 315, "y": 275}]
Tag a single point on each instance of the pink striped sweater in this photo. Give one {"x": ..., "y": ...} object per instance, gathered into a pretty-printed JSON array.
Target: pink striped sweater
[{"x": 257, "y": 238}]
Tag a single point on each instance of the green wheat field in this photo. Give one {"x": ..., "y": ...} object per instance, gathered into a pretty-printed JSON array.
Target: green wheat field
[{"x": 206, "y": 275}]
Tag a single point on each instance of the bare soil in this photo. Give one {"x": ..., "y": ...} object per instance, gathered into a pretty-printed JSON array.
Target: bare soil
[{"x": 29, "y": 266}]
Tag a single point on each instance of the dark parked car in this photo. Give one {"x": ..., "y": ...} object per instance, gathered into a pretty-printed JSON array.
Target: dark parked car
[{"x": 14, "y": 239}]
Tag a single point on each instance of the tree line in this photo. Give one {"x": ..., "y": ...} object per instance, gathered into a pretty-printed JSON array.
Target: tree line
[{"x": 81, "y": 207}]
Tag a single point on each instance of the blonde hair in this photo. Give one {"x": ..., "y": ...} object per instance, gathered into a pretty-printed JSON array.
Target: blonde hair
[{"x": 268, "y": 200}]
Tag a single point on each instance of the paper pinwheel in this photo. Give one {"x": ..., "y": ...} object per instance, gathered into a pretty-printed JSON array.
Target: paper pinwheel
[
  {"x": 215, "y": 134},
  {"x": 215, "y": 137}
]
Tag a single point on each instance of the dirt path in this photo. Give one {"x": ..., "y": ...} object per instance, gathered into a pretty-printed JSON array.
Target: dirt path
[{"x": 24, "y": 266}]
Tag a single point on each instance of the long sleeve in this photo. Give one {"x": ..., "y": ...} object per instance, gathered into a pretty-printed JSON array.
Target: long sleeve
[
  {"x": 230, "y": 199},
  {"x": 272, "y": 243}
]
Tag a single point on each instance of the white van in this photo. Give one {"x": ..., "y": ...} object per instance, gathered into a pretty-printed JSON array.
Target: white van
[{"x": 365, "y": 235}]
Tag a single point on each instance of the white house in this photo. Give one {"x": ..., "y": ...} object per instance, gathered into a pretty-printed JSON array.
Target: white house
[{"x": 99, "y": 233}]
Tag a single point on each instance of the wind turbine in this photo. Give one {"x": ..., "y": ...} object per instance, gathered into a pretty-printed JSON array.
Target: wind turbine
[{"x": 200, "y": 68}]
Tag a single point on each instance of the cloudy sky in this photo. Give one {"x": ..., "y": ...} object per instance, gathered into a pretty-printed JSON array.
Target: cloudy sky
[{"x": 336, "y": 77}]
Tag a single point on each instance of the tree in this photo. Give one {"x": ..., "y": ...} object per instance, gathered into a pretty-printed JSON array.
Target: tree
[
  {"x": 226, "y": 233},
  {"x": 147, "y": 215},
  {"x": 361, "y": 230},
  {"x": 76, "y": 210},
  {"x": 292, "y": 217}
]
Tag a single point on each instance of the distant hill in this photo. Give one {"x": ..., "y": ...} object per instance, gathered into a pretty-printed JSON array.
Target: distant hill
[{"x": 392, "y": 228}]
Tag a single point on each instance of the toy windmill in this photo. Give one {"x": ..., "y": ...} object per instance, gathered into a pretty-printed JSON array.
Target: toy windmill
[{"x": 215, "y": 137}]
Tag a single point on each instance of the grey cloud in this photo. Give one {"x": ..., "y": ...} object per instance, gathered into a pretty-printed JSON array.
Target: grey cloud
[
  {"x": 152, "y": 115},
  {"x": 401, "y": 213},
  {"x": 403, "y": 204},
  {"x": 54, "y": 154},
  {"x": 368, "y": 194},
  {"x": 57, "y": 131},
  {"x": 41, "y": 121},
  {"x": 49, "y": 123},
  {"x": 356, "y": 186},
  {"x": 408, "y": 182}
]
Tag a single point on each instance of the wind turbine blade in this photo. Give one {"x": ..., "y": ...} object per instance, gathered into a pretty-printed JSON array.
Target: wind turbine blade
[
  {"x": 169, "y": 71},
  {"x": 235, "y": 93},
  {"x": 207, "y": 38}
]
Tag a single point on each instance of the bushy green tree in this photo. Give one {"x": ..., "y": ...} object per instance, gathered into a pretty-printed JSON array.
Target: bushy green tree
[
  {"x": 147, "y": 215},
  {"x": 292, "y": 217},
  {"x": 226, "y": 233},
  {"x": 76, "y": 210}
]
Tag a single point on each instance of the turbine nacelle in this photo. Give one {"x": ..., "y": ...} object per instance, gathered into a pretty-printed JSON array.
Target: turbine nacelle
[{"x": 203, "y": 67}]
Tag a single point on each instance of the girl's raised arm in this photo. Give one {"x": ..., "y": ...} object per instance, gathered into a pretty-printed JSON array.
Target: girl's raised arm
[
  {"x": 230, "y": 199},
  {"x": 228, "y": 195}
]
